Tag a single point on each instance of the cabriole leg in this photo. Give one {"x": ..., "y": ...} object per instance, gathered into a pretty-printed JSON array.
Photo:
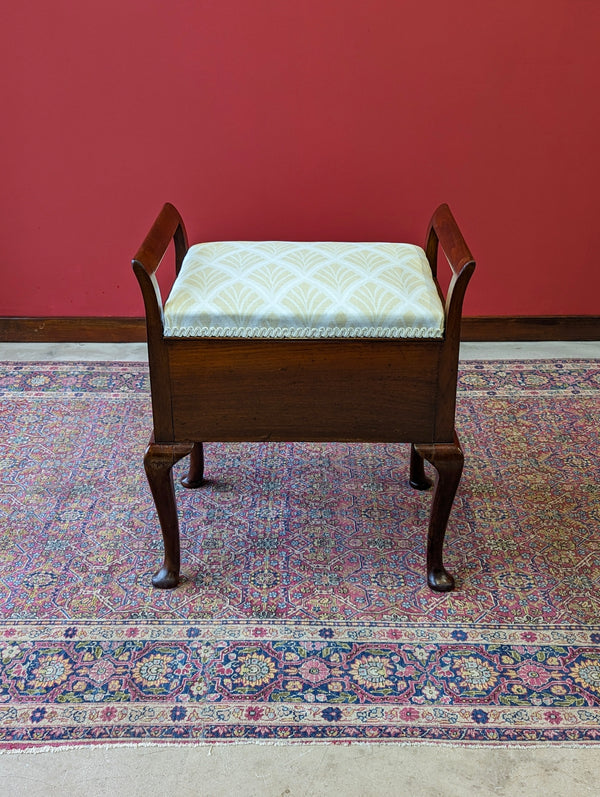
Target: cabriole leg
[
  {"x": 447, "y": 459},
  {"x": 418, "y": 480},
  {"x": 195, "y": 474},
  {"x": 158, "y": 464}
]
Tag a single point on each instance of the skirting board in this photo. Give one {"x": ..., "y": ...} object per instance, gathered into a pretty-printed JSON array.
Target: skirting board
[{"x": 131, "y": 330}]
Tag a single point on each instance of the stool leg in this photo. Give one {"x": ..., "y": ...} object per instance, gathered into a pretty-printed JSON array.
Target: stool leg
[
  {"x": 418, "y": 480},
  {"x": 195, "y": 474},
  {"x": 447, "y": 459},
  {"x": 158, "y": 464}
]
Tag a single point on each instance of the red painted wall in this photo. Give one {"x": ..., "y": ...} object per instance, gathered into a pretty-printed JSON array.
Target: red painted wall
[{"x": 299, "y": 119}]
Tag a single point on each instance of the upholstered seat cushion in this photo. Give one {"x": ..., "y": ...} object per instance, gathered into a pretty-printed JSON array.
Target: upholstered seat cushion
[{"x": 279, "y": 289}]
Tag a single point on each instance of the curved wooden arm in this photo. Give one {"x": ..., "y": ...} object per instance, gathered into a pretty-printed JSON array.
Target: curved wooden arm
[
  {"x": 444, "y": 231},
  {"x": 168, "y": 226}
]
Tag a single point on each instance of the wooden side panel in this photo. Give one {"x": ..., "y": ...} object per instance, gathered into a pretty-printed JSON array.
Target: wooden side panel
[{"x": 304, "y": 390}]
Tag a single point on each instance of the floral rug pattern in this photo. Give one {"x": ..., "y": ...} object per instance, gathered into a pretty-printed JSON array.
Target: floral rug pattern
[{"x": 303, "y": 614}]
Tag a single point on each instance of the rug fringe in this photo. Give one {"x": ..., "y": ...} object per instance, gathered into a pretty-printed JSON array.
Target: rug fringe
[{"x": 60, "y": 748}]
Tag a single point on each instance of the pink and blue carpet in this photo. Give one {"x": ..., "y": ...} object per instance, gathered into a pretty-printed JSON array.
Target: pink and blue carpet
[{"x": 304, "y": 613}]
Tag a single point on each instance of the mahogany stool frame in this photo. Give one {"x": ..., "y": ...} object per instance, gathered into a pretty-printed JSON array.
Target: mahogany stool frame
[{"x": 393, "y": 390}]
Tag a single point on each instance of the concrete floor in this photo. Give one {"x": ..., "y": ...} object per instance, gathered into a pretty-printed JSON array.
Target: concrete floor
[
  {"x": 23, "y": 352},
  {"x": 302, "y": 770},
  {"x": 251, "y": 770}
]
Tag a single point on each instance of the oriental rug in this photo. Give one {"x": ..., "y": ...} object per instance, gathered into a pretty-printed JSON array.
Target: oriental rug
[{"x": 304, "y": 613}]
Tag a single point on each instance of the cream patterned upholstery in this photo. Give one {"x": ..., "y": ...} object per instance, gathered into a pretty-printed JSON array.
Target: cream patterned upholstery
[{"x": 278, "y": 289}]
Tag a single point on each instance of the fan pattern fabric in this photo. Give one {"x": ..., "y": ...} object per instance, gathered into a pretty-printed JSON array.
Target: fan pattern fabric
[{"x": 279, "y": 289}]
